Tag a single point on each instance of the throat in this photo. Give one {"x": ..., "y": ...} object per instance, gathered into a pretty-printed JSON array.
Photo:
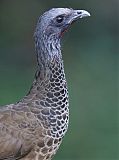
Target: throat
[
  {"x": 49, "y": 83},
  {"x": 48, "y": 94},
  {"x": 48, "y": 51}
]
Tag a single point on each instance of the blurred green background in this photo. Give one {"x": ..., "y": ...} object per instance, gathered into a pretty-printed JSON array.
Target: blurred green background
[{"x": 90, "y": 53}]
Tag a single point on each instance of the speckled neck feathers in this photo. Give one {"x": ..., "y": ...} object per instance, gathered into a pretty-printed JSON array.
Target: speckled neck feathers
[
  {"x": 47, "y": 47},
  {"x": 49, "y": 92}
]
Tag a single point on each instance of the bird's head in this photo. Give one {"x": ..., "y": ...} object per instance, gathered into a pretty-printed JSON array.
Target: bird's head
[
  {"x": 57, "y": 20},
  {"x": 49, "y": 30}
]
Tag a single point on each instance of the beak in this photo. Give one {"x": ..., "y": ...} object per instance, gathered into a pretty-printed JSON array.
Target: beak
[{"x": 76, "y": 14}]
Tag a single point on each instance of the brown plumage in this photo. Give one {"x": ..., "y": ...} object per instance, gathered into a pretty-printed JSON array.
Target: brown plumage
[{"x": 33, "y": 128}]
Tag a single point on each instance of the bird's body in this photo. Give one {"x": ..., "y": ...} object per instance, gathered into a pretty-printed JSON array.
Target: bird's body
[{"x": 33, "y": 128}]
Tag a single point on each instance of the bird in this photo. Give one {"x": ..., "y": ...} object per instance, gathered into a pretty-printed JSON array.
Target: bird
[{"x": 33, "y": 127}]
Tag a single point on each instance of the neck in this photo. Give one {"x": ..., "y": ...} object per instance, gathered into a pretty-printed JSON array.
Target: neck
[
  {"x": 48, "y": 50},
  {"x": 49, "y": 94},
  {"x": 49, "y": 64}
]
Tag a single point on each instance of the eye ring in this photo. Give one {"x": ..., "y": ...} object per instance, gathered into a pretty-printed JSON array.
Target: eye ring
[{"x": 60, "y": 19}]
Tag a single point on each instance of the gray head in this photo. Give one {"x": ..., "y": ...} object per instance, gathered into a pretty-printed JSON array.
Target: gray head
[
  {"x": 50, "y": 27},
  {"x": 57, "y": 20}
]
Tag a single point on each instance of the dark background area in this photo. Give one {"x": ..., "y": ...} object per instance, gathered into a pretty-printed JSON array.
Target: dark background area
[{"x": 90, "y": 53}]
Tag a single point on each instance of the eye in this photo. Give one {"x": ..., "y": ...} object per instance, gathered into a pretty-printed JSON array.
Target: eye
[{"x": 59, "y": 19}]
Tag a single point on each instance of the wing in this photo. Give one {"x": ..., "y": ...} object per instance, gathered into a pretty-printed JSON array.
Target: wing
[{"x": 16, "y": 139}]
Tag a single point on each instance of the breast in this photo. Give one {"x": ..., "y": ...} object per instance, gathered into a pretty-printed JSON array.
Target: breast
[{"x": 53, "y": 101}]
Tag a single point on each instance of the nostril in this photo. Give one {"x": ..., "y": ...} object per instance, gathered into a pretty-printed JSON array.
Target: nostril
[{"x": 79, "y": 12}]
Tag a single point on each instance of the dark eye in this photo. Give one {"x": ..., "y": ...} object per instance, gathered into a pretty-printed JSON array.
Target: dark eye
[{"x": 59, "y": 19}]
